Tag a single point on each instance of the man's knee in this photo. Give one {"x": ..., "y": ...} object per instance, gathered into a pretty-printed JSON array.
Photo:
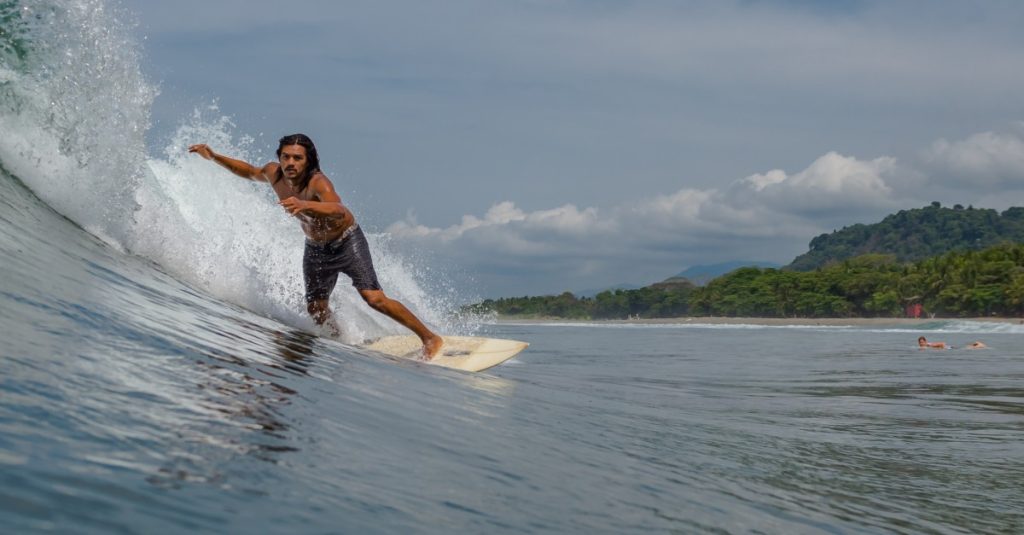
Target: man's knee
[{"x": 375, "y": 298}]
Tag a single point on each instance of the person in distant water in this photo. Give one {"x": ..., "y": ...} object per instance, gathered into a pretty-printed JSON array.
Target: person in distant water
[
  {"x": 334, "y": 242},
  {"x": 977, "y": 345},
  {"x": 923, "y": 343}
]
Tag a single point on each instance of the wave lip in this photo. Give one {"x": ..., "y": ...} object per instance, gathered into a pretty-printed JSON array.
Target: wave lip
[{"x": 74, "y": 109}]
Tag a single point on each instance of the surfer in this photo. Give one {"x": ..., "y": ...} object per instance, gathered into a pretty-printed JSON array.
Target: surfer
[
  {"x": 334, "y": 242},
  {"x": 923, "y": 343}
]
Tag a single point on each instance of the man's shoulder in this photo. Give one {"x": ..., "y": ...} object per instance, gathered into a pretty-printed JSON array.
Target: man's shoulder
[
  {"x": 269, "y": 171},
  {"x": 319, "y": 178}
]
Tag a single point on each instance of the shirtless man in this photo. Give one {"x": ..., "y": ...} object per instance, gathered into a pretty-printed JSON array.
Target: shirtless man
[
  {"x": 923, "y": 343},
  {"x": 334, "y": 242}
]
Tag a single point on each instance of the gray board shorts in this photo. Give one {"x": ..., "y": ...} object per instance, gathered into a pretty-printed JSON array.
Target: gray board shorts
[{"x": 349, "y": 254}]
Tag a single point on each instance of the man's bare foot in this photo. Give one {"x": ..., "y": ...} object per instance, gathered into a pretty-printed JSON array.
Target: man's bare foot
[{"x": 432, "y": 346}]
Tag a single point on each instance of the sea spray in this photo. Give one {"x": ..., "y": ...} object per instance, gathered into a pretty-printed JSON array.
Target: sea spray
[{"x": 74, "y": 109}]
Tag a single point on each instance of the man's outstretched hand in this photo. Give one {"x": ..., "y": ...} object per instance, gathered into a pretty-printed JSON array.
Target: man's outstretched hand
[{"x": 203, "y": 150}]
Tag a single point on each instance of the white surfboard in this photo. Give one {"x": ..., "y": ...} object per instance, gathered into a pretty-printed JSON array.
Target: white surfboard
[{"x": 468, "y": 353}]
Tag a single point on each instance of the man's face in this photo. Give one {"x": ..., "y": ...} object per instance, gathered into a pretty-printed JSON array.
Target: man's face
[{"x": 293, "y": 160}]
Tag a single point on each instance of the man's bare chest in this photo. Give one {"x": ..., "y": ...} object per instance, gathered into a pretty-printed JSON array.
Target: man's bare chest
[{"x": 285, "y": 190}]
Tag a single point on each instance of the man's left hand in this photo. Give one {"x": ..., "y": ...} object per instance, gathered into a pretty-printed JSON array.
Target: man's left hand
[{"x": 293, "y": 205}]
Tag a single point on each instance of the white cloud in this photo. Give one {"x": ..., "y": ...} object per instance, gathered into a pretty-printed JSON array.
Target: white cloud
[
  {"x": 765, "y": 216},
  {"x": 760, "y": 182},
  {"x": 499, "y": 214},
  {"x": 761, "y": 217},
  {"x": 832, "y": 184},
  {"x": 562, "y": 221},
  {"x": 681, "y": 209},
  {"x": 985, "y": 159},
  {"x": 568, "y": 220}
]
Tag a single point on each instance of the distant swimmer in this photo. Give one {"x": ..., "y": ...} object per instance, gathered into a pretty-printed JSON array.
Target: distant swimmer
[
  {"x": 334, "y": 242},
  {"x": 977, "y": 345},
  {"x": 923, "y": 343}
]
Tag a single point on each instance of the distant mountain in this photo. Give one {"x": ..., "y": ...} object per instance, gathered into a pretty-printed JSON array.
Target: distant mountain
[
  {"x": 701, "y": 275},
  {"x": 592, "y": 291},
  {"x": 673, "y": 283},
  {"x": 916, "y": 234}
]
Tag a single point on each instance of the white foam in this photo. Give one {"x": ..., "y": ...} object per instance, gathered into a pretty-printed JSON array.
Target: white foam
[
  {"x": 962, "y": 326},
  {"x": 74, "y": 123}
]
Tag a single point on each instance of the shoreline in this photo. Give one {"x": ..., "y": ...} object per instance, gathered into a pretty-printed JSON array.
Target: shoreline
[{"x": 722, "y": 320}]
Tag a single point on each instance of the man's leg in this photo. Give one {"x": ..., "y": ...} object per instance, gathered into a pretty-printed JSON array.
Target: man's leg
[
  {"x": 319, "y": 280},
  {"x": 320, "y": 310},
  {"x": 397, "y": 311}
]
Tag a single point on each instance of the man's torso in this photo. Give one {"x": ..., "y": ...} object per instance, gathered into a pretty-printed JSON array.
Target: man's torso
[{"x": 318, "y": 228}]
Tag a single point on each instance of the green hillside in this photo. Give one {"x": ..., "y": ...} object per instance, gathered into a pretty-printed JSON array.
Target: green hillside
[
  {"x": 956, "y": 284},
  {"x": 911, "y": 235}
]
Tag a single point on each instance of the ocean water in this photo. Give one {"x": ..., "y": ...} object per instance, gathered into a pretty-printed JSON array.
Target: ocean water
[
  {"x": 131, "y": 402},
  {"x": 158, "y": 373}
]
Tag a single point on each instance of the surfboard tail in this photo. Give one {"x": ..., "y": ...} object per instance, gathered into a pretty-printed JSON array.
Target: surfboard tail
[{"x": 467, "y": 353}]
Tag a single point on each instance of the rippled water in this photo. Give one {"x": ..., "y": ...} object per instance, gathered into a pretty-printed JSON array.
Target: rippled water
[
  {"x": 132, "y": 402},
  {"x": 790, "y": 430}
]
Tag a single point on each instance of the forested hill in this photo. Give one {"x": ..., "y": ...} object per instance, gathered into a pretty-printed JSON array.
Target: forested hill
[
  {"x": 915, "y": 234},
  {"x": 956, "y": 284}
]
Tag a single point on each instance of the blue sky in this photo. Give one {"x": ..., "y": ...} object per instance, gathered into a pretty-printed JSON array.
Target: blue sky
[{"x": 536, "y": 146}]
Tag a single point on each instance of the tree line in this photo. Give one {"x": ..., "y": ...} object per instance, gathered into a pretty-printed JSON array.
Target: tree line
[
  {"x": 955, "y": 284},
  {"x": 916, "y": 234}
]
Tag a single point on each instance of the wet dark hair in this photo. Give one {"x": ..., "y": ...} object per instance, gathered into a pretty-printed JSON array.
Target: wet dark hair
[{"x": 312, "y": 159}]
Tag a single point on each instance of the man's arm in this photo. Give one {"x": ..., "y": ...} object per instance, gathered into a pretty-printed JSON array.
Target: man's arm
[
  {"x": 328, "y": 202},
  {"x": 238, "y": 167}
]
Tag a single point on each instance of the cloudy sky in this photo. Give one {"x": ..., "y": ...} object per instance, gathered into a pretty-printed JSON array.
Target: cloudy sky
[{"x": 536, "y": 146}]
